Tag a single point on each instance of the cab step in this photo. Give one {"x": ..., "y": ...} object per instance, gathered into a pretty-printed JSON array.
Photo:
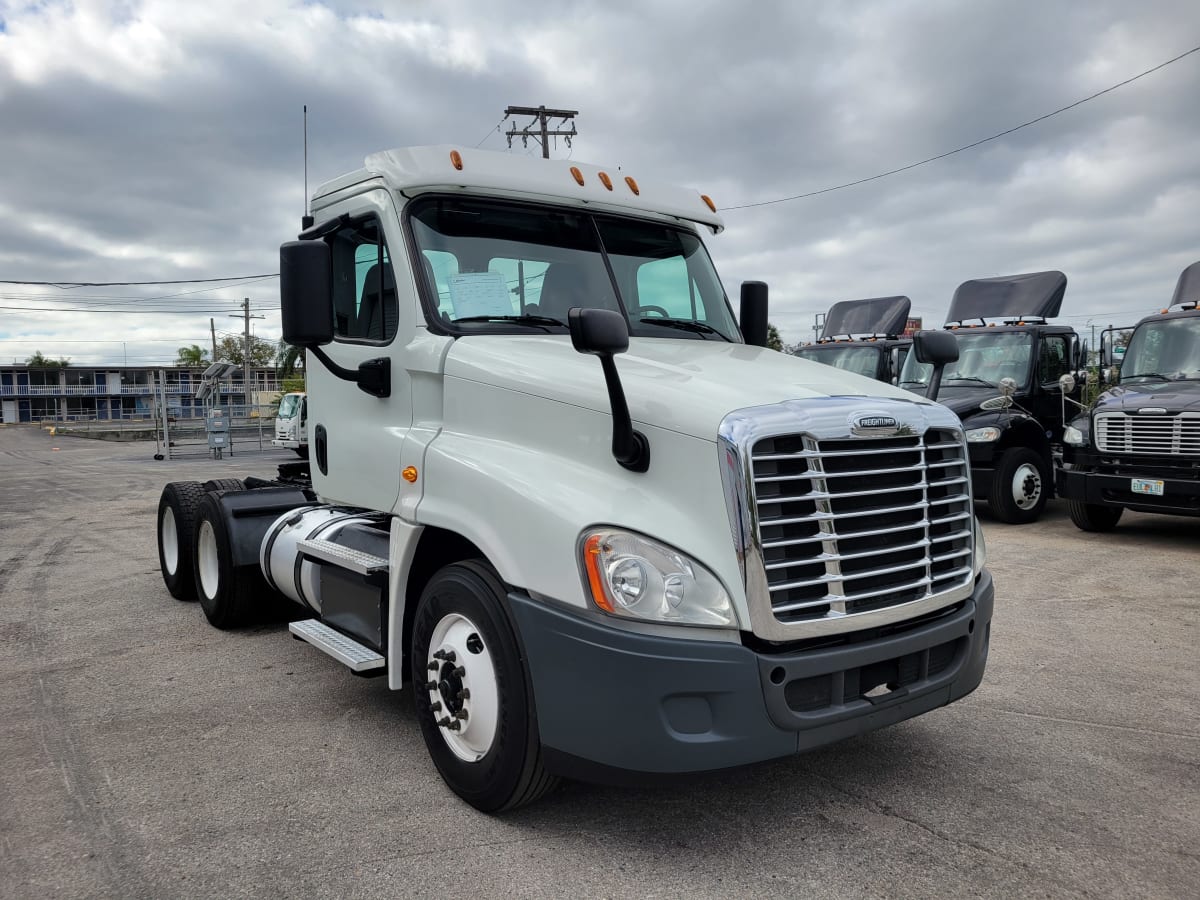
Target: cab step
[
  {"x": 345, "y": 650},
  {"x": 344, "y": 557}
]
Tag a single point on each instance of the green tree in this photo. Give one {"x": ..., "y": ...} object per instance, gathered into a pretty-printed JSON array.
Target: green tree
[
  {"x": 233, "y": 350},
  {"x": 288, "y": 359},
  {"x": 774, "y": 341},
  {"x": 40, "y": 361},
  {"x": 195, "y": 355}
]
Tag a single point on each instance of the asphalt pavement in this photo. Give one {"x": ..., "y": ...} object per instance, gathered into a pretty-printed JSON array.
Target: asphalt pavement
[{"x": 145, "y": 754}]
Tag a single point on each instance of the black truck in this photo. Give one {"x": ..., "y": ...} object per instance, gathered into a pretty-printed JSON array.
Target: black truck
[
  {"x": 1138, "y": 447},
  {"x": 864, "y": 337},
  {"x": 1006, "y": 386}
]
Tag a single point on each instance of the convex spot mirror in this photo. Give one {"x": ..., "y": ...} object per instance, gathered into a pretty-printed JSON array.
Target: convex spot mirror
[
  {"x": 939, "y": 348},
  {"x": 305, "y": 293},
  {"x": 1008, "y": 387},
  {"x": 1067, "y": 383},
  {"x": 598, "y": 331}
]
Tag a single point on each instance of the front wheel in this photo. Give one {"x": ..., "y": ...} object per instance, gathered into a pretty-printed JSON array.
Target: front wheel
[
  {"x": 1094, "y": 516},
  {"x": 473, "y": 699},
  {"x": 1019, "y": 486}
]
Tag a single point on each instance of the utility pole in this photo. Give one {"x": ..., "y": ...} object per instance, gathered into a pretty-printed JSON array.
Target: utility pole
[
  {"x": 246, "y": 317},
  {"x": 538, "y": 129},
  {"x": 212, "y": 326}
]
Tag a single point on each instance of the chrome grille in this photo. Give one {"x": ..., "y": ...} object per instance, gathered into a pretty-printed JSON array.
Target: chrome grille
[
  {"x": 853, "y": 525},
  {"x": 1162, "y": 435}
]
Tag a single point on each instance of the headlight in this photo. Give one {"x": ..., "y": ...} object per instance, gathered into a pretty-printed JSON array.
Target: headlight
[
  {"x": 980, "y": 559},
  {"x": 1073, "y": 436},
  {"x": 983, "y": 435},
  {"x": 638, "y": 578}
]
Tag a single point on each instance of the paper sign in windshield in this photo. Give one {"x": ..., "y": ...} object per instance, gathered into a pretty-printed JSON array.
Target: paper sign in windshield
[{"x": 480, "y": 294}]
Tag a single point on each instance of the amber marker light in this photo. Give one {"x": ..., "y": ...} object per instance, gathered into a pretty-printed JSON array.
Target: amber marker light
[
  {"x": 577, "y": 175},
  {"x": 409, "y": 474},
  {"x": 708, "y": 202},
  {"x": 456, "y": 159},
  {"x": 632, "y": 185},
  {"x": 591, "y": 560},
  {"x": 605, "y": 180}
]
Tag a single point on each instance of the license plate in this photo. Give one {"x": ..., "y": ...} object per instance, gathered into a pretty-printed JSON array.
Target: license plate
[{"x": 1147, "y": 486}]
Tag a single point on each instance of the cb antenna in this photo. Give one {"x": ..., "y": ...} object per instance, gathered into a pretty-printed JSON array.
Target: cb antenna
[{"x": 306, "y": 221}]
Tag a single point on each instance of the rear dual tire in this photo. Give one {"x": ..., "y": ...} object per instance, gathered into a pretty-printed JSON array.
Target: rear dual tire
[
  {"x": 176, "y": 521},
  {"x": 230, "y": 595}
]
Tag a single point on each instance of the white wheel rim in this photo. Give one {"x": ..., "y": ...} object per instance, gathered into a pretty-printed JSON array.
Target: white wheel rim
[
  {"x": 206, "y": 560},
  {"x": 168, "y": 539},
  {"x": 1027, "y": 486},
  {"x": 458, "y": 659}
]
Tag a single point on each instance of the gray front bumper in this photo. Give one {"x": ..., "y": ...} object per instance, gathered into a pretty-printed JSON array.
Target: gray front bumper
[{"x": 610, "y": 702}]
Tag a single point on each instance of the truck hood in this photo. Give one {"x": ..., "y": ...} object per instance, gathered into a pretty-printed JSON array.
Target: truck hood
[
  {"x": 681, "y": 385},
  {"x": 1173, "y": 396}
]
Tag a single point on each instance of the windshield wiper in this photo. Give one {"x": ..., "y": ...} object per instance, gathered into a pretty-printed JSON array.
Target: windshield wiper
[
  {"x": 926, "y": 383},
  {"x": 1157, "y": 375},
  {"x": 970, "y": 378},
  {"x": 683, "y": 325},
  {"x": 532, "y": 321}
]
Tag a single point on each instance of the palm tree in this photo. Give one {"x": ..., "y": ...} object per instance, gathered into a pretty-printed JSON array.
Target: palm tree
[
  {"x": 195, "y": 355},
  {"x": 288, "y": 359}
]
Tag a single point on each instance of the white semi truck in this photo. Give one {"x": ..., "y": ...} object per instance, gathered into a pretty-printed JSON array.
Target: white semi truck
[{"x": 701, "y": 555}]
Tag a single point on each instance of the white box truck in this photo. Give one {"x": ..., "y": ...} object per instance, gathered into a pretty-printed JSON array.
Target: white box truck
[{"x": 557, "y": 489}]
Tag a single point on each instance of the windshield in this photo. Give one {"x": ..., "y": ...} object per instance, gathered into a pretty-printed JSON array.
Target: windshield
[
  {"x": 983, "y": 358},
  {"x": 1168, "y": 349},
  {"x": 289, "y": 406},
  {"x": 861, "y": 360},
  {"x": 498, "y": 266}
]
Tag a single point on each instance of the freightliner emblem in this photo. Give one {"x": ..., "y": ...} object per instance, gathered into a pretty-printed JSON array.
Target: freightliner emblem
[{"x": 874, "y": 425}]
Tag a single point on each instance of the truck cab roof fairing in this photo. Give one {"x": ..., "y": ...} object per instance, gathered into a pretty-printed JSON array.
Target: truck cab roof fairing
[
  {"x": 876, "y": 315},
  {"x": 1036, "y": 295}
]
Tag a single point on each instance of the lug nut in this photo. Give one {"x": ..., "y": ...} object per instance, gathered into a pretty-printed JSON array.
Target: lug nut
[
  {"x": 431, "y": 685},
  {"x": 454, "y": 726},
  {"x": 439, "y": 654},
  {"x": 461, "y": 714},
  {"x": 444, "y": 721},
  {"x": 449, "y": 657},
  {"x": 464, "y": 694},
  {"x": 460, "y": 671},
  {"x": 433, "y": 666},
  {"x": 436, "y": 706}
]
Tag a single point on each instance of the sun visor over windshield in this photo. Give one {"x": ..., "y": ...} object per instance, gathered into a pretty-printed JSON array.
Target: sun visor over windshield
[
  {"x": 1188, "y": 288},
  {"x": 878, "y": 315},
  {"x": 1036, "y": 295}
]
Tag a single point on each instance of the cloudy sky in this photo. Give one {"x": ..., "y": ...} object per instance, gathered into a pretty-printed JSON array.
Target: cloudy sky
[{"x": 162, "y": 141}]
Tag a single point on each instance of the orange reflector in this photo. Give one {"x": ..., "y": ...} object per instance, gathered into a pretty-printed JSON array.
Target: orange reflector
[
  {"x": 409, "y": 474},
  {"x": 591, "y": 559},
  {"x": 456, "y": 159},
  {"x": 605, "y": 180},
  {"x": 632, "y": 185},
  {"x": 708, "y": 202},
  {"x": 1164, "y": 312},
  {"x": 577, "y": 175}
]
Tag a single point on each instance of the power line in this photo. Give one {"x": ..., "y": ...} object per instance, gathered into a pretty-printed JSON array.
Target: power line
[
  {"x": 66, "y": 285},
  {"x": 1007, "y": 131},
  {"x": 491, "y": 131},
  {"x": 163, "y": 312}
]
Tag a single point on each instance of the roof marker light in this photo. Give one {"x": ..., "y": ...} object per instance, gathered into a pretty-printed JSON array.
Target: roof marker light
[
  {"x": 409, "y": 473},
  {"x": 456, "y": 159},
  {"x": 632, "y": 185},
  {"x": 577, "y": 175},
  {"x": 708, "y": 202},
  {"x": 605, "y": 180}
]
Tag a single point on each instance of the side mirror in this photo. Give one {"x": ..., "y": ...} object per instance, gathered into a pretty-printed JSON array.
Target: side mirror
[
  {"x": 753, "y": 316},
  {"x": 603, "y": 333},
  {"x": 598, "y": 331},
  {"x": 936, "y": 348},
  {"x": 305, "y": 293},
  {"x": 1008, "y": 387}
]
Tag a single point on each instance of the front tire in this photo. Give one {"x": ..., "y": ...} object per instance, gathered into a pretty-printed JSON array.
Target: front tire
[
  {"x": 229, "y": 595},
  {"x": 1020, "y": 486},
  {"x": 176, "y": 521},
  {"x": 1094, "y": 516},
  {"x": 473, "y": 698}
]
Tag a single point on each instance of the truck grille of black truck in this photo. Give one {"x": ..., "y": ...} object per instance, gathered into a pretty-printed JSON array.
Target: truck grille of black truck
[
  {"x": 850, "y": 526},
  {"x": 1163, "y": 435}
]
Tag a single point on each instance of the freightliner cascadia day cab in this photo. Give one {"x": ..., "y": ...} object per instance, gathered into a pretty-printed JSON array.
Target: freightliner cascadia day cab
[
  {"x": 1138, "y": 447},
  {"x": 1006, "y": 386},
  {"x": 864, "y": 337},
  {"x": 556, "y": 490},
  {"x": 291, "y": 423}
]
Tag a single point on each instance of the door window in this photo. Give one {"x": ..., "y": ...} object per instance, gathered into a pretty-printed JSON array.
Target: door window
[
  {"x": 1053, "y": 362},
  {"x": 365, "y": 307}
]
